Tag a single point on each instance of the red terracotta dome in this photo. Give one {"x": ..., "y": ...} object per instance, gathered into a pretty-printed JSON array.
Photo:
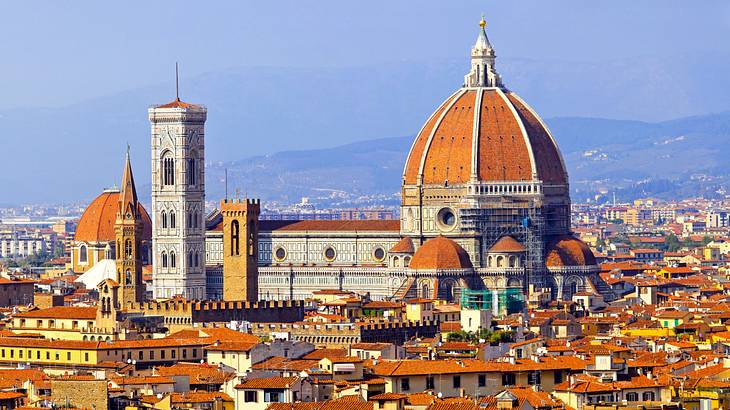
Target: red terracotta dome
[
  {"x": 507, "y": 244},
  {"x": 488, "y": 132},
  {"x": 405, "y": 245},
  {"x": 97, "y": 222},
  {"x": 440, "y": 253},
  {"x": 568, "y": 251}
]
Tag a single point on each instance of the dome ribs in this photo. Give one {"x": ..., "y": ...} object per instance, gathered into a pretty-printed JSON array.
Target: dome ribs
[
  {"x": 413, "y": 163},
  {"x": 448, "y": 159},
  {"x": 501, "y": 157},
  {"x": 97, "y": 221},
  {"x": 548, "y": 161}
]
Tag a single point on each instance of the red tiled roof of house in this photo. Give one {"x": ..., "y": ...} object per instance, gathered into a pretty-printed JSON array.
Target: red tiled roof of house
[
  {"x": 267, "y": 383},
  {"x": 61, "y": 312}
]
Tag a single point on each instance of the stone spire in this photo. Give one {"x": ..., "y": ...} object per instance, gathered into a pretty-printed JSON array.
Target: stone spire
[
  {"x": 482, "y": 73},
  {"x": 128, "y": 233},
  {"x": 128, "y": 194}
]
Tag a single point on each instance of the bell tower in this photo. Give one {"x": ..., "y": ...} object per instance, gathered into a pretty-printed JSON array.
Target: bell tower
[
  {"x": 240, "y": 249},
  {"x": 178, "y": 200},
  {"x": 128, "y": 233}
]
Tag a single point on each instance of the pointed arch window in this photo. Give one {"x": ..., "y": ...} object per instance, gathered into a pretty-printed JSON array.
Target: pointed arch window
[
  {"x": 235, "y": 237},
  {"x": 164, "y": 259},
  {"x": 173, "y": 261},
  {"x": 192, "y": 169},
  {"x": 190, "y": 258},
  {"x": 163, "y": 219},
  {"x": 197, "y": 260},
  {"x": 168, "y": 170},
  {"x": 172, "y": 220},
  {"x": 128, "y": 277}
]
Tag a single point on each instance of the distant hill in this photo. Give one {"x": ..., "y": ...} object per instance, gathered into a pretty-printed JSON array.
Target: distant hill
[{"x": 73, "y": 152}]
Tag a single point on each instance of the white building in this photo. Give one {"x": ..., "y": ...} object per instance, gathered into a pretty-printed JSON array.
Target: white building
[{"x": 178, "y": 199}]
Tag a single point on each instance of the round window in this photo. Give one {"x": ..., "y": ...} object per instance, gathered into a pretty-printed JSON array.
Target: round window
[
  {"x": 280, "y": 254},
  {"x": 329, "y": 253},
  {"x": 379, "y": 254},
  {"x": 446, "y": 218}
]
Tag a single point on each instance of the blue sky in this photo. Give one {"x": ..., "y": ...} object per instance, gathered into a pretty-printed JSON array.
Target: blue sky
[{"x": 56, "y": 53}]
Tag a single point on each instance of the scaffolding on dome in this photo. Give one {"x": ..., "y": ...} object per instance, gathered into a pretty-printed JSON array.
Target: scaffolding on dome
[
  {"x": 523, "y": 220},
  {"x": 500, "y": 302}
]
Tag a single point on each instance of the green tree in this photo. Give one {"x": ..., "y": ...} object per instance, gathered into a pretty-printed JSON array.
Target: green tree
[{"x": 672, "y": 242}]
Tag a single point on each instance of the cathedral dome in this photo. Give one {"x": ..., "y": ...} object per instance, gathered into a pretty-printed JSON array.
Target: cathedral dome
[
  {"x": 488, "y": 134},
  {"x": 484, "y": 133},
  {"x": 97, "y": 222},
  {"x": 507, "y": 244},
  {"x": 441, "y": 253},
  {"x": 566, "y": 250},
  {"x": 405, "y": 245}
]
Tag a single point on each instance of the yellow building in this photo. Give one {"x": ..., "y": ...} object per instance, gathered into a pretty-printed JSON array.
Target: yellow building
[{"x": 65, "y": 354}]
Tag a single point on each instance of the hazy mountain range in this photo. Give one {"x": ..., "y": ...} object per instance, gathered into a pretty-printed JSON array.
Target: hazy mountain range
[{"x": 259, "y": 117}]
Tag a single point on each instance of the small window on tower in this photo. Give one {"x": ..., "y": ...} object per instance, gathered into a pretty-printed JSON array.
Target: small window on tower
[{"x": 234, "y": 237}]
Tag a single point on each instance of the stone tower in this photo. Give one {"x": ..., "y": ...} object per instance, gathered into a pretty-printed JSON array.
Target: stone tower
[
  {"x": 240, "y": 249},
  {"x": 178, "y": 199},
  {"x": 128, "y": 234}
]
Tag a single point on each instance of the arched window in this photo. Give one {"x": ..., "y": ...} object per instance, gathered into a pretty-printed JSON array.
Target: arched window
[
  {"x": 632, "y": 396},
  {"x": 163, "y": 219},
  {"x": 128, "y": 249},
  {"x": 647, "y": 396},
  {"x": 396, "y": 262},
  {"x": 500, "y": 261},
  {"x": 192, "y": 172},
  {"x": 190, "y": 220},
  {"x": 406, "y": 261},
  {"x": 172, "y": 219},
  {"x": 173, "y": 260},
  {"x": 83, "y": 254},
  {"x": 164, "y": 259},
  {"x": 168, "y": 170},
  {"x": 197, "y": 260},
  {"x": 196, "y": 219},
  {"x": 128, "y": 277},
  {"x": 190, "y": 258},
  {"x": 234, "y": 237},
  {"x": 425, "y": 291},
  {"x": 512, "y": 261}
]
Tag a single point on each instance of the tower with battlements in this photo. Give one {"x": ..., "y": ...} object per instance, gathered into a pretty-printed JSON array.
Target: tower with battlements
[{"x": 240, "y": 249}]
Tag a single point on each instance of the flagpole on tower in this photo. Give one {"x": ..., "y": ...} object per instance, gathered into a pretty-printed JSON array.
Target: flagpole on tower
[{"x": 177, "y": 83}]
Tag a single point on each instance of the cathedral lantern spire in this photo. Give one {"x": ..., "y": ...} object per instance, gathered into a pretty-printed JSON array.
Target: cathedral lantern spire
[{"x": 482, "y": 73}]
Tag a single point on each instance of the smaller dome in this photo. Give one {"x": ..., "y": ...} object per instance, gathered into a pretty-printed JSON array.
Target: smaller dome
[
  {"x": 97, "y": 222},
  {"x": 507, "y": 244},
  {"x": 441, "y": 253},
  {"x": 568, "y": 251},
  {"x": 405, "y": 245}
]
